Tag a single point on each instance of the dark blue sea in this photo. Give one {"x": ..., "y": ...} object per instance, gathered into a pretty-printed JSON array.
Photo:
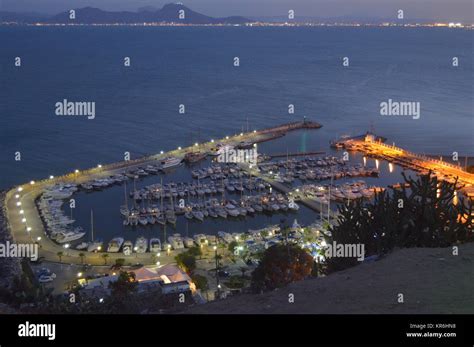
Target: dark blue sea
[{"x": 137, "y": 106}]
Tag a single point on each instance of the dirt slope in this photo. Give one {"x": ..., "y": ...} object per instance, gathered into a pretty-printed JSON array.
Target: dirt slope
[{"x": 431, "y": 280}]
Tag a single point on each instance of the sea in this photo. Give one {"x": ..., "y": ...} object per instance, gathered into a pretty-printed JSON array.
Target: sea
[{"x": 137, "y": 107}]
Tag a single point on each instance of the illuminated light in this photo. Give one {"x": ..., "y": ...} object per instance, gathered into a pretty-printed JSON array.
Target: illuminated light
[
  {"x": 135, "y": 248},
  {"x": 17, "y": 196},
  {"x": 18, "y": 203},
  {"x": 377, "y": 163},
  {"x": 101, "y": 300},
  {"x": 196, "y": 144},
  {"x": 214, "y": 248},
  {"x": 227, "y": 137},
  {"x": 76, "y": 171},
  {"x": 169, "y": 246},
  {"x": 323, "y": 243},
  {"x": 390, "y": 167},
  {"x": 179, "y": 148},
  {"x": 23, "y": 220},
  {"x": 20, "y": 189},
  {"x": 99, "y": 166},
  {"x": 241, "y": 134},
  {"x": 114, "y": 273},
  {"x": 161, "y": 152},
  {"x": 79, "y": 274},
  {"x": 212, "y": 140},
  {"x": 21, "y": 211},
  {"x": 158, "y": 263},
  {"x": 255, "y": 131},
  {"x": 455, "y": 198},
  {"x": 99, "y": 248},
  {"x": 51, "y": 177},
  {"x": 32, "y": 182},
  {"x": 39, "y": 238},
  {"x": 28, "y": 229},
  {"x": 297, "y": 190},
  {"x": 66, "y": 245},
  {"x": 365, "y": 161},
  {"x": 219, "y": 286},
  {"x": 236, "y": 238}
]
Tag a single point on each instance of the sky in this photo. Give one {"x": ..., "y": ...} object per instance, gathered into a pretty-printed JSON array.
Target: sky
[{"x": 452, "y": 10}]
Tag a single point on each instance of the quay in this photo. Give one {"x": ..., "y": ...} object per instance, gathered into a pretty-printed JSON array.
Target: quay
[
  {"x": 416, "y": 162},
  {"x": 302, "y": 154},
  {"x": 26, "y": 226}
]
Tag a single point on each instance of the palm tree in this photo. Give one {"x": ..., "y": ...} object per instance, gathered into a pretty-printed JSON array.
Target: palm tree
[
  {"x": 105, "y": 256},
  {"x": 82, "y": 255},
  {"x": 60, "y": 255}
]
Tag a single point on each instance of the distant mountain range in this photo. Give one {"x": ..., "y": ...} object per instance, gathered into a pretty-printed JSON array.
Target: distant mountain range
[{"x": 170, "y": 13}]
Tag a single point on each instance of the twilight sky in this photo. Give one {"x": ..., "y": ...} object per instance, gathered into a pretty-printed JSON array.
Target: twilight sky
[{"x": 455, "y": 10}]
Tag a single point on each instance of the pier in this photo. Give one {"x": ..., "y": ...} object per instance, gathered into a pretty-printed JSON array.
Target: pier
[
  {"x": 302, "y": 154},
  {"x": 311, "y": 204}
]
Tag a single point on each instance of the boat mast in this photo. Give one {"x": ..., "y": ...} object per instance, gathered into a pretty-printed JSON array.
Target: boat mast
[{"x": 92, "y": 226}]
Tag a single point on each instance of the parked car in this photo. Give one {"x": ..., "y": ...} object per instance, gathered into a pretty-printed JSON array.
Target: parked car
[{"x": 45, "y": 279}]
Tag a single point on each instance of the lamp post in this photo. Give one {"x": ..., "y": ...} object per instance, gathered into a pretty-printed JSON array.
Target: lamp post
[{"x": 217, "y": 272}]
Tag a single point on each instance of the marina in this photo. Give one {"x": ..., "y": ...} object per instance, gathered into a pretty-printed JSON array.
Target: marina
[{"x": 167, "y": 200}]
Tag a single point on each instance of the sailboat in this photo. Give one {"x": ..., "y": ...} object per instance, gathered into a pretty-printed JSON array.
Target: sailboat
[{"x": 94, "y": 246}]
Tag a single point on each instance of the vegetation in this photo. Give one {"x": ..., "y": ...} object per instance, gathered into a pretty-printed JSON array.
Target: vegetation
[
  {"x": 201, "y": 282},
  {"x": 423, "y": 215},
  {"x": 235, "y": 282},
  {"x": 60, "y": 255},
  {"x": 124, "y": 286},
  {"x": 281, "y": 264},
  {"x": 186, "y": 261}
]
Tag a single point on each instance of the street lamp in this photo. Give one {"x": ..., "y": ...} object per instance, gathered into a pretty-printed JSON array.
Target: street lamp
[
  {"x": 18, "y": 203},
  {"x": 76, "y": 171},
  {"x": 32, "y": 182},
  {"x": 21, "y": 211},
  {"x": 20, "y": 189},
  {"x": 51, "y": 177},
  {"x": 217, "y": 272}
]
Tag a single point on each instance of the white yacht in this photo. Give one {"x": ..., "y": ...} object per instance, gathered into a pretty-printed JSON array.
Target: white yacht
[
  {"x": 170, "y": 162},
  {"x": 115, "y": 244},
  {"x": 68, "y": 236},
  {"x": 155, "y": 245},
  {"x": 176, "y": 241},
  {"x": 141, "y": 244},
  {"x": 95, "y": 246},
  {"x": 127, "y": 247}
]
